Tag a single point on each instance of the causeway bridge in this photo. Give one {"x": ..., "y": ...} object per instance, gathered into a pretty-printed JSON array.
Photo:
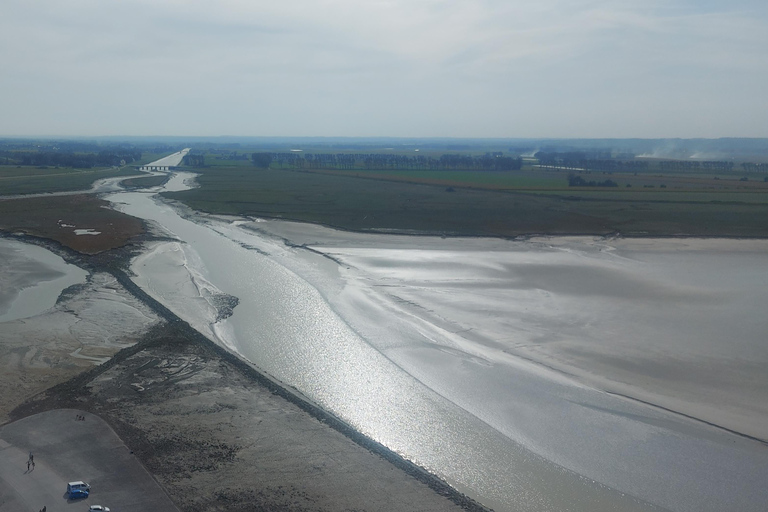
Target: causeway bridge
[{"x": 167, "y": 163}]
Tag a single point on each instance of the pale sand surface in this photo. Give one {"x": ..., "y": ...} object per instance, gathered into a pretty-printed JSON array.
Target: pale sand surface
[
  {"x": 31, "y": 279},
  {"x": 206, "y": 428},
  {"x": 361, "y": 260},
  {"x": 452, "y": 312},
  {"x": 675, "y": 322}
]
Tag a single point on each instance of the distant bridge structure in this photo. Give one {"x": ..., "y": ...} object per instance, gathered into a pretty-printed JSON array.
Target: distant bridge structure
[
  {"x": 167, "y": 163},
  {"x": 157, "y": 167}
]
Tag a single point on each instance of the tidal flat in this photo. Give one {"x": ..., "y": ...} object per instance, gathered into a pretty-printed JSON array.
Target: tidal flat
[
  {"x": 32, "y": 279},
  {"x": 82, "y": 328},
  {"x": 644, "y": 350},
  {"x": 518, "y": 371},
  {"x": 554, "y": 373}
]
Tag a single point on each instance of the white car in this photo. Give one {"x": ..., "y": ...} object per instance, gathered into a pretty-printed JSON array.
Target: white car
[{"x": 98, "y": 508}]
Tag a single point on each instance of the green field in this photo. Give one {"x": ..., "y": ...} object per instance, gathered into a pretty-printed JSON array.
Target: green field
[
  {"x": 33, "y": 180},
  {"x": 478, "y": 203},
  {"x": 526, "y": 179},
  {"x": 531, "y": 200}
]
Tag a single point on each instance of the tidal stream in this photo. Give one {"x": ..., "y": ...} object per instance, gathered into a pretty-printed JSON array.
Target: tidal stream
[{"x": 518, "y": 371}]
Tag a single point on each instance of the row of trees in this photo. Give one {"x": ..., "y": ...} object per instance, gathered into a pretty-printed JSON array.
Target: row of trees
[
  {"x": 375, "y": 161},
  {"x": 695, "y": 165},
  {"x": 102, "y": 158},
  {"x": 194, "y": 160},
  {"x": 572, "y": 156},
  {"x": 577, "y": 181},
  {"x": 589, "y": 161},
  {"x": 752, "y": 167}
]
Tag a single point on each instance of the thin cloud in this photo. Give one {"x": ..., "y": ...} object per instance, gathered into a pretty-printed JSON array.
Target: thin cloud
[{"x": 398, "y": 63}]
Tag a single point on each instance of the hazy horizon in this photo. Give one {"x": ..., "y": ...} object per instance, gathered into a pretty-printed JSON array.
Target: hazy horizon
[{"x": 425, "y": 68}]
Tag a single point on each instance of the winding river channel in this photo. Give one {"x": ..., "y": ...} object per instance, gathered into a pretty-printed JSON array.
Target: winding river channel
[{"x": 545, "y": 375}]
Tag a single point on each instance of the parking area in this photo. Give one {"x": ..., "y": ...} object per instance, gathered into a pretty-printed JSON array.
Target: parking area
[{"x": 66, "y": 449}]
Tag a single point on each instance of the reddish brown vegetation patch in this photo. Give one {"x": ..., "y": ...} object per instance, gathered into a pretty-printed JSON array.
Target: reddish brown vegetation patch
[{"x": 57, "y": 217}]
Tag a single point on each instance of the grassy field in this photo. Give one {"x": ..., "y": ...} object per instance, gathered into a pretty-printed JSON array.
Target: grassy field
[
  {"x": 478, "y": 203},
  {"x": 149, "y": 157},
  {"x": 33, "y": 180},
  {"x": 495, "y": 180},
  {"x": 543, "y": 180},
  {"x": 532, "y": 200}
]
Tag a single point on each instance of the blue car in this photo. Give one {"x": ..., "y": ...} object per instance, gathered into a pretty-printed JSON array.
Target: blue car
[
  {"x": 77, "y": 490},
  {"x": 78, "y": 493}
]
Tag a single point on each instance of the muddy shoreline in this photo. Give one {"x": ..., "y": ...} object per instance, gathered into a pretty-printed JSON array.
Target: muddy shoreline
[
  {"x": 293, "y": 396},
  {"x": 208, "y": 454}
]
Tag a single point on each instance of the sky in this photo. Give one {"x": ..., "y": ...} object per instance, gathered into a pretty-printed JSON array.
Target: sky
[{"x": 400, "y": 68}]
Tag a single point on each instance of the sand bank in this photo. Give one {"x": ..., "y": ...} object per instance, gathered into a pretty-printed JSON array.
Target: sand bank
[
  {"x": 32, "y": 279},
  {"x": 87, "y": 326}
]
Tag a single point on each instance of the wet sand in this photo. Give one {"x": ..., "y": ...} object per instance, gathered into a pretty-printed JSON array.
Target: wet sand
[
  {"x": 196, "y": 416},
  {"x": 87, "y": 326},
  {"x": 31, "y": 280},
  {"x": 673, "y": 322},
  {"x": 216, "y": 433},
  {"x": 424, "y": 343},
  {"x": 444, "y": 359}
]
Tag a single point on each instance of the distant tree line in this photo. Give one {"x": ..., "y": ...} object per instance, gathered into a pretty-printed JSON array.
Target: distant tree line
[
  {"x": 752, "y": 167},
  {"x": 589, "y": 161},
  {"x": 102, "y": 158},
  {"x": 262, "y": 159},
  {"x": 230, "y": 155},
  {"x": 602, "y": 161},
  {"x": 695, "y": 165},
  {"x": 575, "y": 180},
  {"x": 374, "y": 161},
  {"x": 193, "y": 160},
  {"x": 570, "y": 156}
]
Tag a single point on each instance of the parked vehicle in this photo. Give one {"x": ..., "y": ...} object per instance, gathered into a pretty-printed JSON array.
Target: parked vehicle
[
  {"x": 98, "y": 508},
  {"x": 77, "y": 490}
]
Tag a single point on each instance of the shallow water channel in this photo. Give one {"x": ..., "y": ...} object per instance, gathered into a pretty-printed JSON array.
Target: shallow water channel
[
  {"x": 516, "y": 371},
  {"x": 31, "y": 279}
]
